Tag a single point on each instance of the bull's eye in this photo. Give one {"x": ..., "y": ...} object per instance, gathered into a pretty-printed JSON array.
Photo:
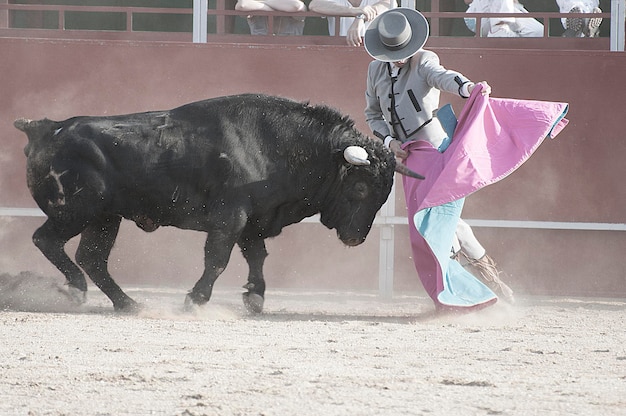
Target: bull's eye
[{"x": 360, "y": 190}]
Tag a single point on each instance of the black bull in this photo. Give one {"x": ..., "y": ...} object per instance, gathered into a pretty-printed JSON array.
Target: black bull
[{"x": 239, "y": 168}]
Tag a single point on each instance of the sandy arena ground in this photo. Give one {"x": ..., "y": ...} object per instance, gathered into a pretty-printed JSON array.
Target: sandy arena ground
[{"x": 309, "y": 353}]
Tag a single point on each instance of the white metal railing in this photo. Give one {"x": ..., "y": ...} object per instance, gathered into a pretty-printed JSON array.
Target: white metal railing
[
  {"x": 618, "y": 21},
  {"x": 387, "y": 220},
  {"x": 200, "y": 13},
  {"x": 200, "y": 21},
  {"x": 617, "y": 25}
]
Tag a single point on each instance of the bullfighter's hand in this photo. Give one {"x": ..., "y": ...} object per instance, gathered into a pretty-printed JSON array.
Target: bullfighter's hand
[
  {"x": 486, "y": 88},
  {"x": 395, "y": 147}
]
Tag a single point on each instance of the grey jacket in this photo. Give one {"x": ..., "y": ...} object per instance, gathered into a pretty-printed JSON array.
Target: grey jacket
[{"x": 407, "y": 114}]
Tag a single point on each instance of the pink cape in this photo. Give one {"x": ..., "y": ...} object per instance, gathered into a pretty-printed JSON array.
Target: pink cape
[{"x": 493, "y": 137}]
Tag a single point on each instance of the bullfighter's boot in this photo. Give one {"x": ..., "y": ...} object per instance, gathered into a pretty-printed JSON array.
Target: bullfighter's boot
[{"x": 489, "y": 274}]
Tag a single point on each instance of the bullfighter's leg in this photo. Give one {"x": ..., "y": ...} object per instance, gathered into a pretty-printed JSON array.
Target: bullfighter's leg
[
  {"x": 255, "y": 253},
  {"x": 92, "y": 255},
  {"x": 51, "y": 240}
]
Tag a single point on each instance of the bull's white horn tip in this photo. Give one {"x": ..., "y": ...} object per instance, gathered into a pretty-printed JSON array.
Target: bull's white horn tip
[{"x": 356, "y": 155}]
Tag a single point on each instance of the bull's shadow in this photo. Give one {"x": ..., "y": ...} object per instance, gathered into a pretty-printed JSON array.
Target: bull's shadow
[
  {"x": 340, "y": 305},
  {"x": 343, "y": 317}
]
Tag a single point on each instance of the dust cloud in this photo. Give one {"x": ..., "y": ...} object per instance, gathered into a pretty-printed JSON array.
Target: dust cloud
[
  {"x": 29, "y": 292},
  {"x": 32, "y": 292}
]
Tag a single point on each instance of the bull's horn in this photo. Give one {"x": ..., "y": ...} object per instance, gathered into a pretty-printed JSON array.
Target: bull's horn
[
  {"x": 356, "y": 155},
  {"x": 403, "y": 170},
  {"x": 22, "y": 123}
]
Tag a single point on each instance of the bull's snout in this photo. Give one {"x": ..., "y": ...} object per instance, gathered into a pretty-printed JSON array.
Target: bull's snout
[
  {"x": 352, "y": 236},
  {"x": 352, "y": 241}
]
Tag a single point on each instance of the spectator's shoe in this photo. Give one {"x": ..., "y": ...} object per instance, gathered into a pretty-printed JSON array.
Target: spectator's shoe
[
  {"x": 488, "y": 273},
  {"x": 574, "y": 25},
  {"x": 502, "y": 30},
  {"x": 592, "y": 29}
]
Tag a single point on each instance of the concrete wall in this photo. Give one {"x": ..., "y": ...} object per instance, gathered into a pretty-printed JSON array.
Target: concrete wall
[{"x": 575, "y": 178}]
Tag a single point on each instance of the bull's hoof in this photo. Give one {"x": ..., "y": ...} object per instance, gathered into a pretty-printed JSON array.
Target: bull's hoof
[
  {"x": 253, "y": 302},
  {"x": 194, "y": 300},
  {"x": 189, "y": 304},
  {"x": 77, "y": 297},
  {"x": 127, "y": 306}
]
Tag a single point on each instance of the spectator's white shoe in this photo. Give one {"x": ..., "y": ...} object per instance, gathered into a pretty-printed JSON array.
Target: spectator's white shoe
[
  {"x": 592, "y": 29},
  {"x": 574, "y": 25}
]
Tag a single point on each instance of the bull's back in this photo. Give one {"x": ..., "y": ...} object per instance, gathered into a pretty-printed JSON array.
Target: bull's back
[
  {"x": 187, "y": 138},
  {"x": 164, "y": 160}
]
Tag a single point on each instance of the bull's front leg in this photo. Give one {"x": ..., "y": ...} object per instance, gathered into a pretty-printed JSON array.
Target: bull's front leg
[
  {"x": 217, "y": 250},
  {"x": 255, "y": 253},
  {"x": 51, "y": 240}
]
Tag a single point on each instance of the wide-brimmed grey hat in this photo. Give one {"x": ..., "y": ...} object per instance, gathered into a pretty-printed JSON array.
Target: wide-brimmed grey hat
[{"x": 396, "y": 34}]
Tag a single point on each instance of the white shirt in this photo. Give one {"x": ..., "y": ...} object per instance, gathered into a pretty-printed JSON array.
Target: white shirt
[
  {"x": 586, "y": 6},
  {"x": 346, "y": 22}
]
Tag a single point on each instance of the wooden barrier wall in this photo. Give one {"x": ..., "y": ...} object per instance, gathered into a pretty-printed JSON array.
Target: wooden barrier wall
[{"x": 575, "y": 178}]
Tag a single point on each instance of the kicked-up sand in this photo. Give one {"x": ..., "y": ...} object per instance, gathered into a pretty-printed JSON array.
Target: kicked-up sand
[{"x": 309, "y": 353}]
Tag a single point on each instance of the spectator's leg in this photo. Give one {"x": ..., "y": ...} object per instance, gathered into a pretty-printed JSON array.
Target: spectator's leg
[
  {"x": 529, "y": 28},
  {"x": 258, "y": 25},
  {"x": 502, "y": 30},
  {"x": 289, "y": 26}
]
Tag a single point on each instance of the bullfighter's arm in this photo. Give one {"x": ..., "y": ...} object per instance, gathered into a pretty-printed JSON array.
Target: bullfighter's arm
[
  {"x": 439, "y": 77},
  {"x": 373, "y": 113},
  {"x": 444, "y": 79}
]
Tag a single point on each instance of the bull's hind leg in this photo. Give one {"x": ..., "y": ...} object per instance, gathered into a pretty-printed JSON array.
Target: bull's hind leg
[
  {"x": 93, "y": 252},
  {"x": 51, "y": 241},
  {"x": 255, "y": 253}
]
